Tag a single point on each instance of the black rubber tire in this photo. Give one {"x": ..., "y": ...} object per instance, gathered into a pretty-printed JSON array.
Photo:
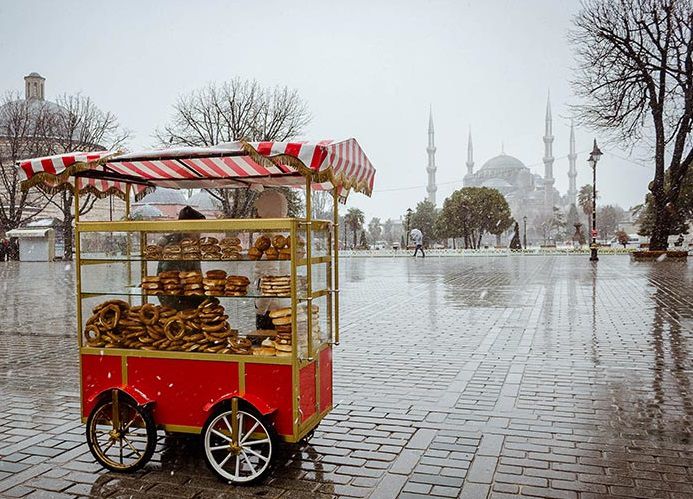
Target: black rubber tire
[
  {"x": 274, "y": 440},
  {"x": 123, "y": 402}
]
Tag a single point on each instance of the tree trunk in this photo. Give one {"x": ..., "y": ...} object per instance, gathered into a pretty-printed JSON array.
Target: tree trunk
[
  {"x": 67, "y": 238},
  {"x": 660, "y": 229}
]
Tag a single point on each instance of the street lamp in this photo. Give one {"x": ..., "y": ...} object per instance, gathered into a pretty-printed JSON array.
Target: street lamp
[
  {"x": 409, "y": 210},
  {"x": 595, "y": 155},
  {"x": 524, "y": 236}
]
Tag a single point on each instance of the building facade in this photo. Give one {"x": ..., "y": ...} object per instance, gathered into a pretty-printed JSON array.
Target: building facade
[{"x": 528, "y": 194}]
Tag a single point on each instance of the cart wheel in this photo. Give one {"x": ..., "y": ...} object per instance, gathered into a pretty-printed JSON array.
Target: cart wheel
[
  {"x": 241, "y": 452},
  {"x": 120, "y": 434}
]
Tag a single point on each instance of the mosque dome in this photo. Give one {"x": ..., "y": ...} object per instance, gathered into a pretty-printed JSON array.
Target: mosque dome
[
  {"x": 503, "y": 162},
  {"x": 203, "y": 201},
  {"x": 164, "y": 196},
  {"x": 147, "y": 212}
]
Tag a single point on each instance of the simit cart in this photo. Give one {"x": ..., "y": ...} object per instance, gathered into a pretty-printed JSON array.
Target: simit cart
[{"x": 202, "y": 366}]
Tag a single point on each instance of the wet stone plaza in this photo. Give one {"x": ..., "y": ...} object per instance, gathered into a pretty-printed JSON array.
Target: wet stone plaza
[{"x": 542, "y": 376}]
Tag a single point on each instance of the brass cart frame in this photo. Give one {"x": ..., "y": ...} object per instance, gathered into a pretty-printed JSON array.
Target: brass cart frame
[{"x": 291, "y": 225}]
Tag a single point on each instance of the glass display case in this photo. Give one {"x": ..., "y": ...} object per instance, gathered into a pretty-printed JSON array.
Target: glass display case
[{"x": 224, "y": 287}]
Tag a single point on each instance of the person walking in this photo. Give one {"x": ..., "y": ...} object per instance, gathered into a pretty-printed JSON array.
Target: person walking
[{"x": 416, "y": 237}]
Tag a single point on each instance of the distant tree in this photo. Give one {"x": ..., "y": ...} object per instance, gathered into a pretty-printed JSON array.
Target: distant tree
[
  {"x": 363, "y": 242},
  {"x": 680, "y": 217},
  {"x": 585, "y": 202},
  {"x": 236, "y": 110},
  {"x": 321, "y": 205},
  {"x": 622, "y": 237},
  {"x": 608, "y": 217},
  {"x": 375, "y": 231},
  {"x": 572, "y": 217},
  {"x": 635, "y": 74},
  {"x": 25, "y": 126},
  {"x": 79, "y": 125},
  {"x": 354, "y": 220},
  {"x": 388, "y": 231},
  {"x": 471, "y": 212},
  {"x": 424, "y": 219}
]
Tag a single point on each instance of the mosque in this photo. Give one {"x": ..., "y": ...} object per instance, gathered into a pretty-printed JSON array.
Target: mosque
[{"x": 528, "y": 194}]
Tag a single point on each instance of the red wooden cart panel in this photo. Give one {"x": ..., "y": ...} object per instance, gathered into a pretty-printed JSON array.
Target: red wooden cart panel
[
  {"x": 308, "y": 393},
  {"x": 181, "y": 387},
  {"x": 272, "y": 384},
  {"x": 325, "y": 378},
  {"x": 99, "y": 373}
]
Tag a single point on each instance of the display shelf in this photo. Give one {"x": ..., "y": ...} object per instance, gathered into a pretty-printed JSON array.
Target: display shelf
[{"x": 138, "y": 292}]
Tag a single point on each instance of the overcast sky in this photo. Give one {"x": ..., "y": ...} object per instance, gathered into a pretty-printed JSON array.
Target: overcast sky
[{"x": 367, "y": 69}]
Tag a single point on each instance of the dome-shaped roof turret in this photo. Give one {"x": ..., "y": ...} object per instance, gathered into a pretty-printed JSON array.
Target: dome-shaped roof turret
[
  {"x": 503, "y": 162},
  {"x": 164, "y": 196}
]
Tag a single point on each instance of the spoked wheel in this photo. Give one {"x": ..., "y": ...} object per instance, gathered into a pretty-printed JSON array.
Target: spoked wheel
[
  {"x": 239, "y": 449},
  {"x": 120, "y": 434}
]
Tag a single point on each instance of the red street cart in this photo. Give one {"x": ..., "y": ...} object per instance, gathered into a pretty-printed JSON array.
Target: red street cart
[{"x": 167, "y": 310}]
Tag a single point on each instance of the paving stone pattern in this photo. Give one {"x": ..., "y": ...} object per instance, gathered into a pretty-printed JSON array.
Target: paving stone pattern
[{"x": 456, "y": 377}]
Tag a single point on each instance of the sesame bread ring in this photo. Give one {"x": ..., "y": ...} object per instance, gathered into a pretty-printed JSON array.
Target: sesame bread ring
[
  {"x": 208, "y": 240},
  {"x": 109, "y": 316},
  {"x": 186, "y": 275},
  {"x": 216, "y": 274},
  {"x": 216, "y": 326},
  {"x": 174, "y": 329},
  {"x": 92, "y": 333},
  {"x": 149, "y": 314},
  {"x": 263, "y": 242},
  {"x": 280, "y": 312},
  {"x": 282, "y": 321},
  {"x": 189, "y": 314},
  {"x": 279, "y": 241},
  {"x": 254, "y": 253},
  {"x": 167, "y": 312}
]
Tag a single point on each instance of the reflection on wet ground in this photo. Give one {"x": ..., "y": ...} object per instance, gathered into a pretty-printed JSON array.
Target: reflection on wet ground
[{"x": 537, "y": 376}]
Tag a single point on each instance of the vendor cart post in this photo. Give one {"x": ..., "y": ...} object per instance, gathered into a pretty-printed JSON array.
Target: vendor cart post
[
  {"x": 335, "y": 223},
  {"x": 309, "y": 267}
]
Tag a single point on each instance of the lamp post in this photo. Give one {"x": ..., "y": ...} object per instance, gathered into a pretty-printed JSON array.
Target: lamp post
[
  {"x": 409, "y": 210},
  {"x": 524, "y": 235},
  {"x": 595, "y": 155}
]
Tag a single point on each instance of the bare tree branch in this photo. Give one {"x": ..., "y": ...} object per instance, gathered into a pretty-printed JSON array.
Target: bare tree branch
[{"x": 231, "y": 111}]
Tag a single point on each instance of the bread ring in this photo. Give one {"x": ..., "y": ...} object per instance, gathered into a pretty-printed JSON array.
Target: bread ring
[
  {"x": 109, "y": 316},
  {"x": 92, "y": 333},
  {"x": 263, "y": 242},
  {"x": 149, "y": 314},
  {"x": 188, "y": 314},
  {"x": 243, "y": 343},
  {"x": 215, "y": 326},
  {"x": 174, "y": 329}
]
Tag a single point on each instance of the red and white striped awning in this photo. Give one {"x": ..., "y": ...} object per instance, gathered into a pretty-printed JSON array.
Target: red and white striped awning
[{"x": 329, "y": 164}]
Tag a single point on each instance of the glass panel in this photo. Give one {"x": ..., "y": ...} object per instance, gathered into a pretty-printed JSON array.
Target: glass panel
[
  {"x": 321, "y": 241},
  {"x": 218, "y": 292}
]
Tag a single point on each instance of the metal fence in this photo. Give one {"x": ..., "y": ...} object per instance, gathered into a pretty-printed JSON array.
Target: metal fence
[{"x": 485, "y": 252}]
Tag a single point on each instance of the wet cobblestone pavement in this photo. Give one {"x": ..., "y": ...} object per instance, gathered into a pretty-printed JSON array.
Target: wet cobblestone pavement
[{"x": 456, "y": 377}]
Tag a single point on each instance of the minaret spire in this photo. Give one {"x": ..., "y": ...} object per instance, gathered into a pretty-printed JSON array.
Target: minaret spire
[
  {"x": 548, "y": 157},
  {"x": 572, "y": 170},
  {"x": 470, "y": 154},
  {"x": 431, "y": 151}
]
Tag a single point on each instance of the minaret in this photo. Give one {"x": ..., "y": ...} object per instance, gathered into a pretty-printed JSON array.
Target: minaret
[
  {"x": 548, "y": 159},
  {"x": 572, "y": 171},
  {"x": 431, "y": 168},
  {"x": 470, "y": 155}
]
